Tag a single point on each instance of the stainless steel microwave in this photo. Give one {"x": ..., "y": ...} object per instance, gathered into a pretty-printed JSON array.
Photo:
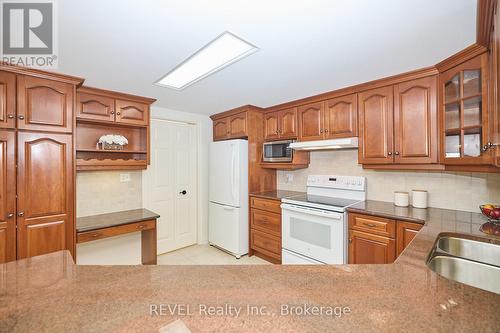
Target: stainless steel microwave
[{"x": 277, "y": 151}]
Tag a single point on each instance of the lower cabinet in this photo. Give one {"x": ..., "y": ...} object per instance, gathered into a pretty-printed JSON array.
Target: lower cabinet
[
  {"x": 42, "y": 192},
  {"x": 376, "y": 240},
  {"x": 265, "y": 229}
]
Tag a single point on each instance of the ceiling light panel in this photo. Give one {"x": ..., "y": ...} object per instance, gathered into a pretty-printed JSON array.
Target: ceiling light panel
[{"x": 219, "y": 53}]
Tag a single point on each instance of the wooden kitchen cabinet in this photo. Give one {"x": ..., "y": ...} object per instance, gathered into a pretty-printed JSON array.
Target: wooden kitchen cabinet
[
  {"x": 7, "y": 100},
  {"x": 464, "y": 114},
  {"x": 405, "y": 232},
  {"x": 238, "y": 125},
  {"x": 280, "y": 124},
  {"x": 45, "y": 194},
  {"x": 376, "y": 128},
  {"x": 44, "y": 105},
  {"x": 398, "y": 124},
  {"x": 378, "y": 240},
  {"x": 94, "y": 107},
  {"x": 265, "y": 228},
  {"x": 341, "y": 117},
  {"x": 310, "y": 119},
  {"x": 7, "y": 197},
  {"x": 221, "y": 130},
  {"x": 416, "y": 122},
  {"x": 365, "y": 248},
  {"x": 130, "y": 112}
]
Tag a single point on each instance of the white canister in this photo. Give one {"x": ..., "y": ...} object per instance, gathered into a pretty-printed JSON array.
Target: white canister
[
  {"x": 419, "y": 198},
  {"x": 401, "y": 199}
]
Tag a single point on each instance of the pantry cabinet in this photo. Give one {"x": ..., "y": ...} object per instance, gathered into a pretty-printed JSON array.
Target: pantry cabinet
[
  {"x": 7, "y": 197},
  {"x": 280, "y": 124},
  {"x": 398, "y": 124},
  {"x": 44, "y": 104},
  {"x": 7, "y": 100},
  {"x": 44, "y": 216}
]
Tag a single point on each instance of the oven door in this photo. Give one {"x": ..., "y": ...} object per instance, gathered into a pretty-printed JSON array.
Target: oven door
[{"x": 314, "y": 233}]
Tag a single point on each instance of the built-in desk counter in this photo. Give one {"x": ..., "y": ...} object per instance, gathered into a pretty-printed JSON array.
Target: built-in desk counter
[{"x": 91, "y": 228}]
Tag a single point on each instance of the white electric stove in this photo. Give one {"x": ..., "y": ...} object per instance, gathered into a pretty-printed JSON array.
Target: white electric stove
[{"x": 314, "y": 225}]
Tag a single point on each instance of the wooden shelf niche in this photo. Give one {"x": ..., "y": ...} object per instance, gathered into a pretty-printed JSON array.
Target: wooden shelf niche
[{"x": 90, "y": 157}]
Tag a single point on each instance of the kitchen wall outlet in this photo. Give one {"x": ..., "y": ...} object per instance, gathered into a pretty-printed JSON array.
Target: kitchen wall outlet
[
  {"x": 288, "y": 177},
  {"x": 124, "y": 177}
]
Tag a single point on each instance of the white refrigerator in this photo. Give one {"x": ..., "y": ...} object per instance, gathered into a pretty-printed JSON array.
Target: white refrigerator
[{"x": 228, "y": 196}]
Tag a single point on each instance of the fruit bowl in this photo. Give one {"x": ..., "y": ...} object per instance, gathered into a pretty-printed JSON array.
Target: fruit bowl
[{"x": 492, "y": 212}]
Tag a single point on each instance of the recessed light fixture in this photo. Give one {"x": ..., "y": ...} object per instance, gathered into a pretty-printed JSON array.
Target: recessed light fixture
[{"x": 219, "y": 53}]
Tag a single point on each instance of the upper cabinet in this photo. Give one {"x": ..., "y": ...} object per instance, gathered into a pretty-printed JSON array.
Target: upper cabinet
[
  {"x": 280, "y": 124},
  {"x": 101, "y": 112},
  {"x": 44, "y": 104},
  {"x": 231, "y": 126},
  {"x": 341, "y": 117},
  {"x": 376, "y": 126},
  {"x": 464, "y": 113},
  {"x": 108, "y": 106},
  {"x": 331, "y": 119},
  {"x": 311, "y": 123},
  {"x": 7, "y": 100},
  {"x": 416, "y": 122},
  {"x": 398, "y": 124}
]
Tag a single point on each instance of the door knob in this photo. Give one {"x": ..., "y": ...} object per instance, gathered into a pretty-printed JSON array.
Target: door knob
[
  {"x": 20, "y": 214},
  {"x": 183, "y": 192},
  {"x": 21, "y": 117},
  {"x": 11, "y": 215},
  {"x": 10, "y": 116}
]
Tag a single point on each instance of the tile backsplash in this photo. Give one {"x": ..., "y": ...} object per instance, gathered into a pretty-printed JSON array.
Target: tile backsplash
[
  {"x": 102, "y": 192},
  {"x": 459, "y": 191}
]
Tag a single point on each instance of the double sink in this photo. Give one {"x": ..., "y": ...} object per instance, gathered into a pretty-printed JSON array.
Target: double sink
[{"x": 470, "y": 261}]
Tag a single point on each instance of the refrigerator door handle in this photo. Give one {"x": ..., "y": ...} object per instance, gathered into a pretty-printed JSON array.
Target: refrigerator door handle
[
  {"x": 228, "y": 208},
  {"x": 233, "y": 160}
]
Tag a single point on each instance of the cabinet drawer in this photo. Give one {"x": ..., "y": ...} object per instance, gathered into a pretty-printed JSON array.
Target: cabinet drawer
[
  {"x": 265, "y": 243},
  {"x": 266, "y": 221},
  {"x": 87, "y": 236},
  {"x": 373, "y": 225},
  {"x": 272, "y": 206}
]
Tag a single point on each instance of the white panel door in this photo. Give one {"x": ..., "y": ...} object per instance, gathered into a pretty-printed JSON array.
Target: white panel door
[
  {"x": 225, "y": 171},
  {"x": 170, "y": 187}
]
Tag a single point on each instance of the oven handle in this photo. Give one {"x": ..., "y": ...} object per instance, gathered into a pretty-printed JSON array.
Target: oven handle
[{"x": 312, "y": 211}]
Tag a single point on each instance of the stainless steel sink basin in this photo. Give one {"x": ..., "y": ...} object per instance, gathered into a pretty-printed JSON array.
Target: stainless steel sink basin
[
  {"x": 469, "y": 272},
  {"x": 470, "y": 249},
  {"x": 472, "y": 262}
]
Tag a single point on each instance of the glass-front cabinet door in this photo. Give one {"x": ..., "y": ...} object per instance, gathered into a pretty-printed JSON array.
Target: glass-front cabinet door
[{"x": 464, "y": 113}]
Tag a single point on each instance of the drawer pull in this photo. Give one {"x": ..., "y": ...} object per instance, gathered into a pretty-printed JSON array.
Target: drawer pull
[
  {"x": 141, "y": 226},
  {"x": 371, "y": 225},
  {"x": 95, "y": 235}
]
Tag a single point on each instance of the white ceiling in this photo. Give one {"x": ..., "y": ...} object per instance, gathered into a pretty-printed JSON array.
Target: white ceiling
[{"x": 307, "y": 47}]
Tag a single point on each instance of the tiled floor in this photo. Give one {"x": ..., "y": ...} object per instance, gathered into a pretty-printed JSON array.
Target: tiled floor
[{"x": 205, "y": 255}]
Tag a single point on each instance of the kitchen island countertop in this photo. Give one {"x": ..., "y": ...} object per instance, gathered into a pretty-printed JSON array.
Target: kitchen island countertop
[{"x": 50, "y": 293}]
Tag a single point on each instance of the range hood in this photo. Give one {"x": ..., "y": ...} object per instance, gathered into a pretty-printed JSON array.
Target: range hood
[{"x": 346, "y": 143}]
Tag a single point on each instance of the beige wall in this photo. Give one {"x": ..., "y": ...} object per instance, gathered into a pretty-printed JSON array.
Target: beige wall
[
  {"x": 102, "y": 192},
  {"x": 460, "y": 191}
]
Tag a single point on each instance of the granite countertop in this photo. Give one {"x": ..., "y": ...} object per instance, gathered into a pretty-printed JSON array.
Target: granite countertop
[
  {"x": 51, "y": 293},
  {"x": 276, "y": 195},
  {"x": 95, "y": 222}
]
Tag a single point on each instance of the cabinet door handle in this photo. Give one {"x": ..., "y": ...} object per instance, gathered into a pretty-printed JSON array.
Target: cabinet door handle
[
  {"x": 389, "y": 153},
  {"x": 112, "y": 112},
  {"x": 118, "y": 113},
  {"x": 10, "y": 116},
  {"x": 11, "y": 215},
  {"x": 321, "y": 131},
  {"x": 350, "y": 240},
  {"x": 396, "y": 153},
  {"x": 21, "y": 117},
  {"x": 20, "y": 214},
  {"x": 326, "y": 131}
]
